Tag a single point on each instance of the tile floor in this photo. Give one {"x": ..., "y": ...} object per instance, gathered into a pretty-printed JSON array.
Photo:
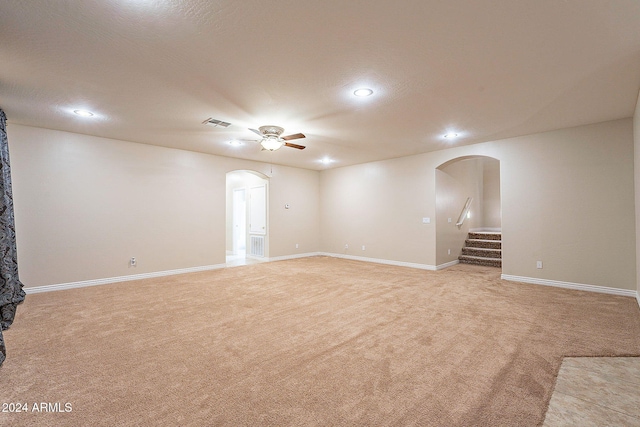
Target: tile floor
[
  {"x": 241, "y": 259},
  {"x": 596, "y": 391}
]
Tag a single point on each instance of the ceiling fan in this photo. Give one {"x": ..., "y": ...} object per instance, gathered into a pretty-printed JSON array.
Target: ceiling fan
[{"x": 272, "y": 141}]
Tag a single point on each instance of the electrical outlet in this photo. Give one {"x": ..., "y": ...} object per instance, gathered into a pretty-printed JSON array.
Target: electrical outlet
[
  {"x": 448, "y": 219},
  {"x": 346, "y": 246},
  {"x": 363, "y": 247},
  {"x": 133, "y": 261},
  {"x": 449, "y": 251},
  {"x": 539, "y": 264},
  {"x": 296, "y": 246}
]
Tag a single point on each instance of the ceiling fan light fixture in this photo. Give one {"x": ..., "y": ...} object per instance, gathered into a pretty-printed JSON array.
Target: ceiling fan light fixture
[
  {"x": 271, "y": 143},
  {"x": 235, "y": 143},
  {"x": 363, "y": 92},
  {"x": 450, "y": 135}
]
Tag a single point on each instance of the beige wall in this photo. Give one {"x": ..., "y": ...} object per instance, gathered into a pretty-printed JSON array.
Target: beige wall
[
  {"x": 636, "y": 156},
  {"x": 84, "y": 205},
  {"x": 567, "y": 199},
  {"x": 468, "y": 173},
  {"x": 380, "y": 205},
  {"x": 491, "y": 205},
  {"x": 479, "y": 178},
  {"x": 455, "y": 182},
  {"x": 300, "y": 224}
]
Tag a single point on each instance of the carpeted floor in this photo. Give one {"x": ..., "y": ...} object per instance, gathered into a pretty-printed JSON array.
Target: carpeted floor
[{"x": 313, "y": 341}]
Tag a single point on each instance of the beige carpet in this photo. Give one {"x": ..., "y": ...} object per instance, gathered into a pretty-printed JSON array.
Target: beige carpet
[{"x": 313, "y": 341}]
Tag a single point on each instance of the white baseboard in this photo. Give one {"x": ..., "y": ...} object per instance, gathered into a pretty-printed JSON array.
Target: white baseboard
[
  {"x": 286, "y": 257},
  {"x": 389, "y": 262},
  {"x": 96, "y": 282},
  {"x": 106, "y": 281},
  {"x": 447, "y": 264},
  {"x": 570, "y": 285},
  {"x": 380, "y": 261},
  {"x": 531, "y": 280}
]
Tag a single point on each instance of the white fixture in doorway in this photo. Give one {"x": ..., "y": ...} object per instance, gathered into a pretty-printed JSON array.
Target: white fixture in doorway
[
  {"x": 247, "y": 238},
  {"x": 257, "y": 219},
  {"x": 239, "y": 222}
]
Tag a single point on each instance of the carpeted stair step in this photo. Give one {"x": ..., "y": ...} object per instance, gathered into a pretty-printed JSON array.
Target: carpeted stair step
[
  {"x": 482, "y": 248},
  {"x": 482, "y": 252},
  {"x": 481, "y": 243},
  {"x": 485, "y": 235},
  {"x": 488, "y": 262}
]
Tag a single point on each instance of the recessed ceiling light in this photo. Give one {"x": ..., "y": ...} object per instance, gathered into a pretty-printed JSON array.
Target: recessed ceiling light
[
  {"x": 326, "y": 161},
  {"x": 363, "y": 92},
  {"x": 83, "y": 113},
  {"x": 235, "y": 143},
  {"x": 451, "y": 135}
]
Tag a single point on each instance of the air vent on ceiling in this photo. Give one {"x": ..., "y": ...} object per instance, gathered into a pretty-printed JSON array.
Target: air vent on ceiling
[{"x": 216, "y": 123}]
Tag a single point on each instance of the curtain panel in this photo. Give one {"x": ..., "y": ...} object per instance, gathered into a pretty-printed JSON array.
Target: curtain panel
[{"x": 11, "y": 293}]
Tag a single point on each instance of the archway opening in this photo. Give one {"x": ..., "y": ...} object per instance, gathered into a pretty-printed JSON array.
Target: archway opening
[
  {"x": 247, "y": 231},
  {"x": 472, "y": 182}
]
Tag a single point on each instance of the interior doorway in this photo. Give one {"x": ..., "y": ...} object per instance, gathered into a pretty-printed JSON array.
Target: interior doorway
[
  {"x": 247, "y": 238},
  {"x": 468, "y": 212}
]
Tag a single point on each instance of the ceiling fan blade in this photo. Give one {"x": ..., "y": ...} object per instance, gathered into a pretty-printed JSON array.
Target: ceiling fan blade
[
  {"x": 299, "y": 147},
  {"x": 294, "y": 136},
  {"x": 256, "y": 131}
]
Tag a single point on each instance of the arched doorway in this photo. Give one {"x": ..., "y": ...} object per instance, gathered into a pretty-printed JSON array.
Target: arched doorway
[
  {"x": 473, "y": 182},
  {"x": 247, "y": 231}
]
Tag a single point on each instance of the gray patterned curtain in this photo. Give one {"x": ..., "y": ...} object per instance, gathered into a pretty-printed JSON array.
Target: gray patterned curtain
[{"x": 11, "y": 293}]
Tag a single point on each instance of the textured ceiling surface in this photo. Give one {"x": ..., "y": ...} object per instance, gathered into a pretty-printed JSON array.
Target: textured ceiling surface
[{"x": 152, "y": 71}]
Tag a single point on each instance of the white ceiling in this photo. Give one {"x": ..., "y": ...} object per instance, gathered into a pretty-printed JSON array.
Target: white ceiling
[{"x": 152, "y": 71}]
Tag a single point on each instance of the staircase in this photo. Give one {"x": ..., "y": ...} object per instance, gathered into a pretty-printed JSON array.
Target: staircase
[{"x": 483, "y": 248}]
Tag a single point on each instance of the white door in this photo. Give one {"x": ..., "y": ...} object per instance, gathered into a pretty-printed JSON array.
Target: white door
[
  {"x": 239, "y": 221},
  {"x": 258, "y": 210}
]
